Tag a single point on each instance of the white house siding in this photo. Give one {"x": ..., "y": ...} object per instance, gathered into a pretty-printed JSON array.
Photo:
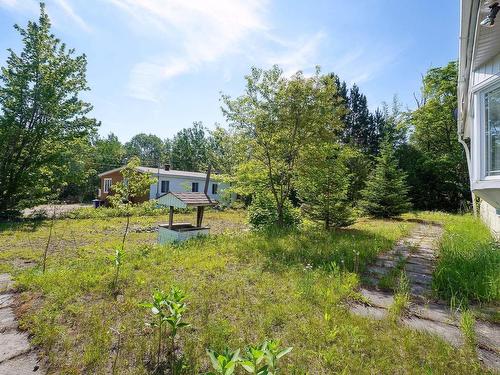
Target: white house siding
[
  {"x": 490, "y": 217},
  {"x": 486, "y": 72},
  {"x": 483, "y": 76}
]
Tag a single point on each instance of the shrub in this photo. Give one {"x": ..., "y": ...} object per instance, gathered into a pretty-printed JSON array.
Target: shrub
[{"x": 263, "y": 213}]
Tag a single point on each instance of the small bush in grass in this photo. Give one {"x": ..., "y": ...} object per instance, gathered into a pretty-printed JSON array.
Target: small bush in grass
[
  {"x": 263, "y": 214},
  {"x": 261, "y": 359}
]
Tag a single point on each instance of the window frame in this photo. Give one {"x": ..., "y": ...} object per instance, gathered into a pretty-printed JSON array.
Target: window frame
[
  {"x": 193, "y": 184},
  {"x": 215, "y": 188},
  {"x": 481, "y": 112},
  {"x": 106, "y": 188},
  {"x": 167, "y": 183}
]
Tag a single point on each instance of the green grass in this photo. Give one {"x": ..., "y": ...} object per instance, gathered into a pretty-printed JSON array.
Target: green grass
[
  {"x": 468, "y": 268},
  {"x": 242, "y": 287}
]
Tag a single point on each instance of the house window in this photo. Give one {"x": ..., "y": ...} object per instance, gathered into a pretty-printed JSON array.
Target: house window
[
  {"x": 107, "y": 185},
  {"x": 194, "y": 187},
  {"x": 215, "y": 187},
  {"x": 492, "y": 131},
  {"x": 165, "y": 187}
]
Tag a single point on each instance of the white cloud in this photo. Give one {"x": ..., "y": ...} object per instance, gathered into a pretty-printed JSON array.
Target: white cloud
[
  {"x": 32, "y": 7},
  {"x": 70, "y": 12},
  {"x": 299, "y": 55},
  {"x": 198, "y": 31}
]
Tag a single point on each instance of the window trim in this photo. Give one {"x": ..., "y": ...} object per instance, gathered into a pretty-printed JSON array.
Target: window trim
[
  {"x": 481, "y": 123},
  {"x": 105, "y": 188}
]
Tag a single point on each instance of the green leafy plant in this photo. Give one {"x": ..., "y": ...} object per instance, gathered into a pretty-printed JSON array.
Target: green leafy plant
[
  {"x": 273, "y": 354},
  {"x": 260, "y": 359},
  {"x": 167, "y": 308},
  {"x": 253, "y": 357},
  {"x": 159, "y": 310},
  {"x": 225, "y": 362},
  {"x": 119, "y": 254}
]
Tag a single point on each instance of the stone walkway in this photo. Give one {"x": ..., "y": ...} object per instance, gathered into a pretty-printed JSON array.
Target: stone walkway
[
  {"x": 416, "y": 256},
  {"x": 16, "y": 354}
]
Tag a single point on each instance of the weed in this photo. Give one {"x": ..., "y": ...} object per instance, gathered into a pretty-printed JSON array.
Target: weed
[
  {"x": 401, "y": 297},
  {"x": 467, "y": 324}
]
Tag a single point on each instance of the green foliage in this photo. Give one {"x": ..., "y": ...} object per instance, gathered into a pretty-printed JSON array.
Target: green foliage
[
  {"x": 42, "y": 118},
  {"x": 190, "y": 148},
  {"x": 278, "y": 116},
  {"x": 323, "y": 184},
  {"x": 467, "y": 324},
  {"x": 167, "y": 308},
  {"x": 149, "y": 148},
  {"x": 262, "y": 213},
  {"x": 227, "y": 361},
  {"x": 386, "y": 193},
  {"x": 224, "y": 363},
  {"x": 133, "y": 186},
  {"x": 435, "y": 161},
  {"x": 468, "y": 267},
  {"x": 118, "y": 261}
]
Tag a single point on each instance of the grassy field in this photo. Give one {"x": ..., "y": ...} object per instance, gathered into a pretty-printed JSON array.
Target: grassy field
[{"x": 242, "y": 287}]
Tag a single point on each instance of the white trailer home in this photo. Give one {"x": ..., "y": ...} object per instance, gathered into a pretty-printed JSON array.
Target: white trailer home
[{"x": 479, "y": 103}]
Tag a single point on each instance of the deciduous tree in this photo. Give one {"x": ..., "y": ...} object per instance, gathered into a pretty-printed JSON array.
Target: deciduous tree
[{"x": 41, "y": 114}]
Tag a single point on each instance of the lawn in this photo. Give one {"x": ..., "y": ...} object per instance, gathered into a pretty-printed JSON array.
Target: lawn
[{"x": 242, "y": 287}]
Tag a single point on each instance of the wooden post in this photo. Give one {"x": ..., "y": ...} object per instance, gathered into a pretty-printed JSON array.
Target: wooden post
[
  {"x": 199, "y": 216},
  {"x": 171, "y": 217},
  {"x": 207, "y": 180}
]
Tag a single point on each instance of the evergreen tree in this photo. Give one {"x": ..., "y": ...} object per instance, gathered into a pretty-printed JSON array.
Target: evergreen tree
[
  {"x": 323, "y": 184},
  {"x": 386, "y": 192}
]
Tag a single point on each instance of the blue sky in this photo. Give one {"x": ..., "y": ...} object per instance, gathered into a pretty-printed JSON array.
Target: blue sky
[{"x": 155, "y": 66}]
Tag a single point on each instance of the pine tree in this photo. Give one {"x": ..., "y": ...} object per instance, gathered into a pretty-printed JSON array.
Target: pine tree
[{"x": 386, "y": 192}]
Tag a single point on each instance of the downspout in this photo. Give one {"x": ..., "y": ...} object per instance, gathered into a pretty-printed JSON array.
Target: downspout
[{"x": 467, "y": 157}]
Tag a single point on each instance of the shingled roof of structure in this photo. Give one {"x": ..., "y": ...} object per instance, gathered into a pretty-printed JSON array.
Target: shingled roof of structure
[{"x": 194, "y": 199}]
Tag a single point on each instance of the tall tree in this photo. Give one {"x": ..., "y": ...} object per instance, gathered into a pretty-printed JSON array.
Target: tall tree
[
  {"x": 357, "y": 131},
  {"x": 278, "y": 117},
  {"x": 149, "y": 148},
  {"x": 190, "y": 148},
  {"x": 441, "y": 179},
  {"x": 41, "y": 114},
  {"x": 386, "y": 192}
]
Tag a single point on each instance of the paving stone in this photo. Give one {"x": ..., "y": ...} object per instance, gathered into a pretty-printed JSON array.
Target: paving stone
[
  {"x": 434, "y": 311},
  {"x": 378, "y": 270},
  {"x": 13, "y": 344},
  {"x": 418, "y": 268},
  {"x": 6, "y": 300},
  {"x": 5, "y": 282},
  {"x": 447, "y": 332},
  {"x": 419, "y": 278},
  {"x": 488, "y": 335},
  {"x": 26, "y": 364},
  {"x": 7, "y": 319},
  {"x": 373, "y": 312},
  {"x": 489, "y": 359},
  {"x": 378, "y": 298}
]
